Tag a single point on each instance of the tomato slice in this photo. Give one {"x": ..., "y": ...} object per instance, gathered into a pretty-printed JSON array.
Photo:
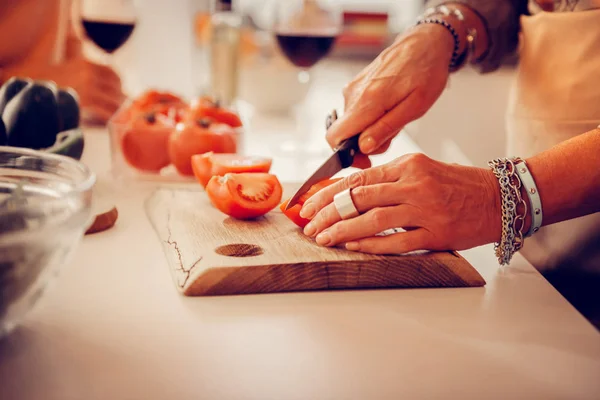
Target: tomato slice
[
  {"x": 207, "y": 165},
  {"x": 245, "y": 195},
  {"x": 294, "y": 212},
  {"x": 144, "y": 143}
]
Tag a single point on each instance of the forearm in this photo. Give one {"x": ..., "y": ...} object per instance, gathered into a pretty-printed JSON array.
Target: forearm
[
  {"x": 568, "y": 178},
  {"x": 497, "y": 26}
]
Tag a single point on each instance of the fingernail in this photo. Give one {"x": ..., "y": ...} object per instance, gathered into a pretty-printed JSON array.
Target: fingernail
[
  {"x": 367, "y": 145},
  {"x": 307, "y": 211},
  {"x": 323, "y": 238},
  {"x": 352, "y": 246},
  {"x": 310, "y": 229}
]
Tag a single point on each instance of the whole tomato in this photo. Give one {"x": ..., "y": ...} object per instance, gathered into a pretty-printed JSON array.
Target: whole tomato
[
  {"x": 199, "y": 137},
  {"x": 206, "y": 107}
]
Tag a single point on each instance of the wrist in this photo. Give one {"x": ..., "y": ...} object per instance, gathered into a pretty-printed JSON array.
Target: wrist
[
  {"x": 443, "y": 39},
  {"x": 494, "y": 211},
  {"x": 458, "y": 54}
]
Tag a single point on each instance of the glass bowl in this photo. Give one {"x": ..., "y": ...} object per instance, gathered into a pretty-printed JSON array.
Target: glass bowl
[{"x": 45, "y": 208}]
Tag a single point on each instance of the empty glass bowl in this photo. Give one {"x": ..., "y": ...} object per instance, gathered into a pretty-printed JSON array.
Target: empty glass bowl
[{"x": 45, "y": 208}]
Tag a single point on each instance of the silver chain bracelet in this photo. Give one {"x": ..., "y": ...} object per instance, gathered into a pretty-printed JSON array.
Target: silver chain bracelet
[{"x": 514, "y": 209}]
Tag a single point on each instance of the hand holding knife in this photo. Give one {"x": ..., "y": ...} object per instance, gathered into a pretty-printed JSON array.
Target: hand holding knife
[{"x": 343, "y": 157}]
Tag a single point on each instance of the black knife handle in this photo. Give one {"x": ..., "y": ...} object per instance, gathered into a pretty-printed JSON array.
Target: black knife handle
[{"x": 347, "y": 150}]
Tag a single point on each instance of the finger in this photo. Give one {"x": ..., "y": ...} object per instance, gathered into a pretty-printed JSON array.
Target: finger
[
  {"x": 363, "y": 161},
  {"x": 389, "y": 125},
  {"x": 105, "y": 73},
  {"x": 364, "y": 198},
  {"x": 108, "y": 101},
  {"x": 381, "y": 174},
  {"x": 369, "y": 224},
  {"x": 367, "y": 111},
  {"x": 397, "y": 243},
  {"x": 361, "y": 113},
  {"x": 383, "y": 148}
]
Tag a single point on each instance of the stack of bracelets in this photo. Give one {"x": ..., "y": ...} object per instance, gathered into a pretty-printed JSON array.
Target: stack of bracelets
[{"x": 513, "y": 174}]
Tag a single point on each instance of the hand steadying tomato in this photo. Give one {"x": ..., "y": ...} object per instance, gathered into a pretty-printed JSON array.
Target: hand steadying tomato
[
  {"x": 207, "y": 165},
  {"x": 144, "y": 143},
  {"x": 245, "y": 195},
  {"x": 199, "y": 137},
  {"x": 205, "y": 107},
  {"x": 294, "y": 212}
]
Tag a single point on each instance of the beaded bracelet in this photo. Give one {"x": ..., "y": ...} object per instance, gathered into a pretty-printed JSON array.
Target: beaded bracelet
[
  {"x": 514, "y": 209},
  {"x": 456, "y": 59}
]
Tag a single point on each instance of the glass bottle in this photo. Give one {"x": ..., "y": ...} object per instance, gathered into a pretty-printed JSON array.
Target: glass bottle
[{"x": 224, "y": 52}]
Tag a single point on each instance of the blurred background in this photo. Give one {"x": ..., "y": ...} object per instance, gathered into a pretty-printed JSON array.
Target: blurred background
[{"x": 169, "y": 49}]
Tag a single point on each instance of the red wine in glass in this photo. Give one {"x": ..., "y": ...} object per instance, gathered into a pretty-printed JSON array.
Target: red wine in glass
[
  {"x": 108, "y": 35},
  {"x": 304, "y": 51}
]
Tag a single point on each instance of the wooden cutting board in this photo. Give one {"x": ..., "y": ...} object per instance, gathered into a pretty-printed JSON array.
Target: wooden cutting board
[{"x": 210, "y": 253}]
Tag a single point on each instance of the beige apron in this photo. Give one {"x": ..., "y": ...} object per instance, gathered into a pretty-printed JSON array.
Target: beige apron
[{"x": 555, "y": 96}]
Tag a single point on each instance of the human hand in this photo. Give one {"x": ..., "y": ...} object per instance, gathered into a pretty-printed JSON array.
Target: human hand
[
  {"x": 441, "y": 206},
  {"x": 98, "y": 86},
  {"x": 399, "y": 86}
]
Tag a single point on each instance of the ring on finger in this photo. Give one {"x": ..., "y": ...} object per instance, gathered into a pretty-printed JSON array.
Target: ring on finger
[{"x": 345, "y": 205}]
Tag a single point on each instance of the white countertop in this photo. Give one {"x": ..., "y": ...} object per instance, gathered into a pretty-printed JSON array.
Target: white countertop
[{"x": 113, "y": 326}]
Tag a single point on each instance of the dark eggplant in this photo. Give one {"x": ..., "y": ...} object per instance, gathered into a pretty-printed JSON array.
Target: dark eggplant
[
  {"x": 10, "y": 89},
  {"x": 68, "y": 109},
  {"x": 31, "y": 117},
  {"x": 2, "y": 133}
]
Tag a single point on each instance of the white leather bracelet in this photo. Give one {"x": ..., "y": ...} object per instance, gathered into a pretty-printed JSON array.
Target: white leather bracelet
[{"x": 534, "y": 197}]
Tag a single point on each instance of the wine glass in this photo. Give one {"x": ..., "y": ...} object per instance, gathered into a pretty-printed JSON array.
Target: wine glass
[
  {"x": 305, "y": 31},
  {"x": 108, "y": 23}
]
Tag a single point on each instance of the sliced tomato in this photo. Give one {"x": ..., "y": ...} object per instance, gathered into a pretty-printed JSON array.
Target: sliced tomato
[
  {"x": 206, "y": 107},
  {"x": 294, "y": 212},
  {"x": 245, "y": 195},
  {"x": 144, "y": 143},
  {"x": 207, "y": 165},
  {"x": 197, "y": 137}
]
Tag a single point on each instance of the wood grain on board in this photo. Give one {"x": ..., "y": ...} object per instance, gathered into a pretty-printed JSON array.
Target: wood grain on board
[{"x": 210, "y": 253}]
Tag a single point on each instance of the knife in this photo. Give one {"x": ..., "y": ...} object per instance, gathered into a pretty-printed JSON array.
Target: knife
[{"x": 343, "y": 157}]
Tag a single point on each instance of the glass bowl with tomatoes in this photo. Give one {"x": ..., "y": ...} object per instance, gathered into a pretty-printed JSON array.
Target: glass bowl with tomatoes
[{"x": 155, "y": 135}]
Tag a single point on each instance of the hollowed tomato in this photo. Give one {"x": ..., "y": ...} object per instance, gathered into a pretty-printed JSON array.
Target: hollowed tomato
[
  {"x": 145, "y": 142},
  {"x": 205, "y": 107},
  {"x": 199, "y": 137},
  {"x": 245, "y": 195},
  {"x": 294, "y": 212},
  {"x": 207, "y": 165}
]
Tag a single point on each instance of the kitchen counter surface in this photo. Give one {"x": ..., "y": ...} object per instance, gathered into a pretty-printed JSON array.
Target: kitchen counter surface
[{"x": 113, "y": 325}]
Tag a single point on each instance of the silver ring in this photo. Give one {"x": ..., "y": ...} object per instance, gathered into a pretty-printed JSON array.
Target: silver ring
[{"x": 345, "y": 205}]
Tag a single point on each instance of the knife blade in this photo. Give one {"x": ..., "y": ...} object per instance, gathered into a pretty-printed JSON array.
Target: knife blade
[{"x": 343, "y": 157}]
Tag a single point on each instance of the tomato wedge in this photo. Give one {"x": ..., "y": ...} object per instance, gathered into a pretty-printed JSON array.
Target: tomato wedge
[
  {"x": 294, "y": 213},
  {"x": 210, "y": 164},
  {"x": 245, "y": 195}
]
